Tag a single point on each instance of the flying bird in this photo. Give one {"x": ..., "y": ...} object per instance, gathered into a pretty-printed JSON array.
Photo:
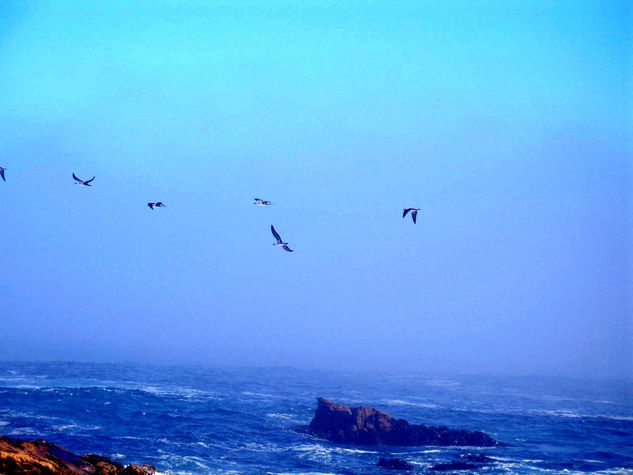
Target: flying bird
[
  {"x": 2, "y": 173},
  {"x": 81, "y": 182},
  {"x": 279, "y": 240},
  {"x": 414, "y": 213},
  {"x": 158, "y": 204},
  {"x": 260, "y": 202}
]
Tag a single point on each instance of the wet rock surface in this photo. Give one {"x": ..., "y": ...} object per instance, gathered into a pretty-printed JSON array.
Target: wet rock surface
[
  {"x": 370, "y": 426},
  {"x": 39, "y": 457}
]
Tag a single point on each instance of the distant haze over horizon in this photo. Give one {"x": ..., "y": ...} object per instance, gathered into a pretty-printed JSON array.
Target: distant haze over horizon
[
  {"x": 507, "y": 123},
  {"x": 439, "y": 376}
]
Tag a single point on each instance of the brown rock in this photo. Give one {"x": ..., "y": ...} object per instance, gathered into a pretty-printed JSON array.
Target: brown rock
[
  {"x": 134, "y": 469},
  {"x": 38, "y": 457},
  {"x": 103, "y": 465},
  {"x": 369, "y": 426}
]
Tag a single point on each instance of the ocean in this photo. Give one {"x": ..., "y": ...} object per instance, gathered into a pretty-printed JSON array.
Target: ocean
[{"x": 199, "y": 420}]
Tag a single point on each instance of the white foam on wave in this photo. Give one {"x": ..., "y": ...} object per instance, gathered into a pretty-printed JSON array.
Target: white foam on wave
[
  {"x": 282, "y": 416},
  {"x": 556, "y": 413},
  {"x": 549, "y": 397},
  {"x": 314, "y": 452},
  {"x": 24, "y": 431},
  {"x": 563, "y": 413},
  {"x": 577, "y": 415},
  {"x": 264, "y": 447},
  {"x": 196, "y": 461},
  {"x": 73, "y": 427},
  {"x": 27, "y": 415},
  {"x": 402, "y": 402},
  {"x": 340, "y": 450},
  {"x": 613, "y": 418},
  {"x": 518, "y": 467},
  {"x": 259, "y": 395},
  {"x": 188, "y": 459},
  {"x": 187, "y": 393},
  {"x": 527, "y": 466},
  {"x": 317, "y": 451}
]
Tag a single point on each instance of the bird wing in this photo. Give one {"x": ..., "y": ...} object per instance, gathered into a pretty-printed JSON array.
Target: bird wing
[
  {"x": 414, "y": 215},
  {"x": 2, "y": 175},
  {"x": 87, "y": 182},
  {"x": 258, "y": 200},
  {"x": 277, "y": 236},
  {"x": 151, "y": 205},
  {"x": 405, "y": 211},
  {"x": 161, "y": 204},
  {"x": 286, "y": 248},
  {"x": 75, "y": 177}
]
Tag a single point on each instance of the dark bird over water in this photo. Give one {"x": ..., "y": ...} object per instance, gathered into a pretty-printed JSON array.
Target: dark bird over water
[
  {"x": 414, "y": 213},
  {"x": 279, "y": 240},
  {"x": 158, "y": 204},
  {"x": 2, "y": 173},
  {"x": 81, "y": 182},
  {"x": 260, "y": 202}
]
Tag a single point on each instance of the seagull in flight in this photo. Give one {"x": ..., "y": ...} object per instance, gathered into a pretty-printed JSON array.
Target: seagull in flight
[
  {"x": 260, "y": 202},
  {"x": 158, "y": 204},
  {"x": 81, "y": 182},
  {"x": 279, "y": 240},
  {"x": 414, "y": 213},
  {"x": 2, "y": 173}
]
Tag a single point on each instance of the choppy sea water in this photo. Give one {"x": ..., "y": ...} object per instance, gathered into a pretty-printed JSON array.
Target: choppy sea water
[{"x": 196, "y": 420}]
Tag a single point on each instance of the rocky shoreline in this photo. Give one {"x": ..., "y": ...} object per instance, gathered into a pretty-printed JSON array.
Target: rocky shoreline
[
  {"x": 39, "y": 457},
  {"x": 334, "y": 422}
]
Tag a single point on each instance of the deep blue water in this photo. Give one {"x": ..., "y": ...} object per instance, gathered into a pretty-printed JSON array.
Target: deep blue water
[{"x": 200, "y": 420}]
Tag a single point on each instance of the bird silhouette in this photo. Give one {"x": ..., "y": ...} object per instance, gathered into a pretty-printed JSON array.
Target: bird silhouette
[
  {"x": 414, "y": 213},
  {"x": 279, "y": 240},
  {"x": 79, "y": 181}
]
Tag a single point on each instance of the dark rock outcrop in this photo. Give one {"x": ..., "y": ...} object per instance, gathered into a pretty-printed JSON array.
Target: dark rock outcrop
[
  {"x": 394, "y": 464},
  {"x": 369, "y": 426},
  {"x": 464, "y": 463},
  {"x": 38, "y": 457},
  {"x": 134, "y": 469}
]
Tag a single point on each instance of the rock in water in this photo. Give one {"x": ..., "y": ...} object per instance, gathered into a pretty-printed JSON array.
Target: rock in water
[
  {"x": 394, "y": 464},
  {"x": 134, "y": 469},
  {"x": 38, "y": 457},
  {"x": 369, "y": 426}
]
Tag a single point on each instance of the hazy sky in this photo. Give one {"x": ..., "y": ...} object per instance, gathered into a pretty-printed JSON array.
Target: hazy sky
[{"x": 507, "y": 122}]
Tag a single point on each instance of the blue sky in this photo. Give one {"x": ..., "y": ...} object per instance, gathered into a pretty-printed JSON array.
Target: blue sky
[{"x": 507, "y": 122}]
